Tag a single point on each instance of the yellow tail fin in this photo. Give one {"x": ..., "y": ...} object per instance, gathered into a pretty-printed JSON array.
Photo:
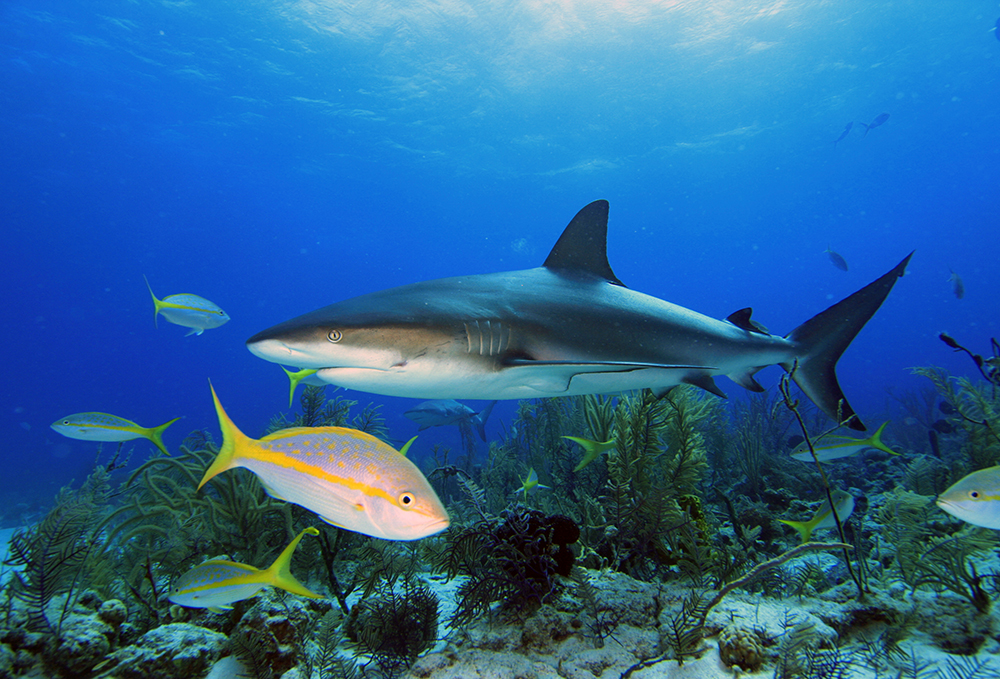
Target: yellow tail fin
[
  {"x": 279, "y": 573},
  {"x": 155, "y": 434},
  {"x": 805, "y": 528},
  {"x": 232, "y": 440},
  {"x": 156, "y": 302}
]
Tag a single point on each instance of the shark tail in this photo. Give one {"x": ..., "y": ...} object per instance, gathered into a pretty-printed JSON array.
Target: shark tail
[
  {"x": 480, "y": 420},
  {"x": 156, "y": 302},
  {"x": 279, "y": 573},
  {"x": 232, "y": 441},
  {"x": 823, "y": 338},
  {"x": 155, "y": 434}
]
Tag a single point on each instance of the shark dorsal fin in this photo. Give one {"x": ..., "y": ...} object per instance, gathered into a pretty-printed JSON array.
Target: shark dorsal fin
[{"x": 583, "y": 245}]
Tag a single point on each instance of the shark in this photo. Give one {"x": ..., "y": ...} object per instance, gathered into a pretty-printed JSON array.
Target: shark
[{"x": 568, "y": 327}]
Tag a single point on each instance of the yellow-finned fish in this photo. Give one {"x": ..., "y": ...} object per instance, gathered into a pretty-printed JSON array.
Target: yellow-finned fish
[
  {"x": 529, "y": 484},
  {"x": 842, "y": 500},
  {"x": 846, "y": 447},
  {"x": 105, "y": 427},
  {"x": 189, "y": 311},
  {"x": 591, "y": 450},
  {"x": 975, "y": 498},
  {"x": 305, "y": 376},
  {"x": 217, "y": 584},
  {"x": 349, "y": 478}
]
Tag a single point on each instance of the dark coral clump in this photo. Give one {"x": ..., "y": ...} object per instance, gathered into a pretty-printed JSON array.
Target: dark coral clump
[
  {"x": 395, "y": 626},
  {"x": 514, "y": 560}
]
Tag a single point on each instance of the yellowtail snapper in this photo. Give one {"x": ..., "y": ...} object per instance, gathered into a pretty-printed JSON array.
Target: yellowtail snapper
[
  {"x": 348, "y": 477},
  {"x": 217, "y": 584},
  {"x": 957, "y": 286},
  {"x": 189, "y": 311},
  {"x": 975, "y": 498},
  {"x": 836, "y": 259},
  {"x": 105, "y": 427},
  {"x": 591, "y": 450},
  {"x": 845, "y": 447},
  {"x": 842, "y": 500}
]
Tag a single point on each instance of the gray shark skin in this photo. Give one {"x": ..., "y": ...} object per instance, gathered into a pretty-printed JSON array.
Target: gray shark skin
[{"x": 566, "y": 328}]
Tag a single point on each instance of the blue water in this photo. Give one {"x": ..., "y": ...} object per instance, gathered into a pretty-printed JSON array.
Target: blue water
[{"x": 277, "y": 157}]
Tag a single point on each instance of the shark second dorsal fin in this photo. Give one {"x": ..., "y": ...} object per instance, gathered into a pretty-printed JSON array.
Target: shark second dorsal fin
[{"x": 583, "y": 245}]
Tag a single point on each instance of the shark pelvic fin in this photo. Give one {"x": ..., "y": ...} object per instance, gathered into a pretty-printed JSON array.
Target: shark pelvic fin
[
  {"x": 583, "y": 245},
  {"x": 705, "y": 381},
  {"x": 825, "y": 336}
]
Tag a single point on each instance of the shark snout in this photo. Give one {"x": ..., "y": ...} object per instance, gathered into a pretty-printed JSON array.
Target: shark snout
[{"x": 270, "y": 349}]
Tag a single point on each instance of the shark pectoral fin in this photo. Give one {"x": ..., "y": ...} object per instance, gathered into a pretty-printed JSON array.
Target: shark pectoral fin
[{"x": 705, "y": 382}]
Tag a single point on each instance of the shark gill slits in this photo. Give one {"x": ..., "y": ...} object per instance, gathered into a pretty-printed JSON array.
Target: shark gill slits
[
  {"x": 335, "y": 336},
  {"x": 491, "y": 338}
]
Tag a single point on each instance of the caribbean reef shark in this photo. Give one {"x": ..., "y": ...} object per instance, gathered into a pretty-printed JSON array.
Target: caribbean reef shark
[{"x": 565, "y": 328}]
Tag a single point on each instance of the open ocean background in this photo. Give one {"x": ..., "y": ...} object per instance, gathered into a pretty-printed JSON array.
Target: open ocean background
[{"x": 275, "y": 157}]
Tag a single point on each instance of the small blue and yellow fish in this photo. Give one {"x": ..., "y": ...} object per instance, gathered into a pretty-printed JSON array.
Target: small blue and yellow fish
[
  {"x": 105, "y": 427},
  {"x": 189, "y": 311},
  {"x": 846, "y": 447},
  {"x": 957, "y": 285},
  {"x": 349, "y": 478},
  {"x": 529, "y": 484},
  {"x": 879, "y": 120},
  {"x": 591, "y": 450},
  {"x": 847, "y": 131},
  {"x": 975, "y": 498},
  {"x": 218, "y": 584},
  {"x": 842, "y": 500},
  {"x": 836, "y": 259}
]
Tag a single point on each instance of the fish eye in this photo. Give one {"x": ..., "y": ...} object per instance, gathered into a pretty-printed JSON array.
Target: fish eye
[
  {"x": 974, "y": 494},
  {"x": 335, "y": 336},
  {"x": 406, "y": 500},
  {"x": 65, "y": 421}
]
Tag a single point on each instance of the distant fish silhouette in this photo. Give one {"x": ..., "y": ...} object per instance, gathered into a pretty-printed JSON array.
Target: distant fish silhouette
[
  {"x": 957, "y": 286},
  {"x": 882, "y": 117},
  {"x": 947, "y": 408},
  {"x": 847, "y": 131},
  {"x": 943, "y": 427},
  {"x": 836, "y": 259}
]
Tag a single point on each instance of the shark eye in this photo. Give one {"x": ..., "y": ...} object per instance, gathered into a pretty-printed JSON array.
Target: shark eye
[
  {"x": 406, "y": 500},
  {"x": 335, "y": 336}
]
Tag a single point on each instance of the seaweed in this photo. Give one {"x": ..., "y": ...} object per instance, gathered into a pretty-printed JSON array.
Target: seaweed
[
  {"x": 686, "y": 630},
  {"x": 947, "y": 565},
  {"x": 798, "y": 639},
  {"x": 395, "y": 626},
  {"x": 318, "y": 411},
  {"x": 54, "y": 553},
  {"x": 327, "y": 661},
  {"x": 966, "y": 668}
]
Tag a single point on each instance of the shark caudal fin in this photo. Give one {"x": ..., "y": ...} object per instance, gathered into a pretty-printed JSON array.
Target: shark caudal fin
[
  {"x": 825, "y": 336},
  {"x": 479, "y": 420}
]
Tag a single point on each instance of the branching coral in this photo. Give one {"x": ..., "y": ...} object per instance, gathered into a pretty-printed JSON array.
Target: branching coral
[
  {"x": 513, "y": 559},
  {"x": 53, "y": 554}
]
